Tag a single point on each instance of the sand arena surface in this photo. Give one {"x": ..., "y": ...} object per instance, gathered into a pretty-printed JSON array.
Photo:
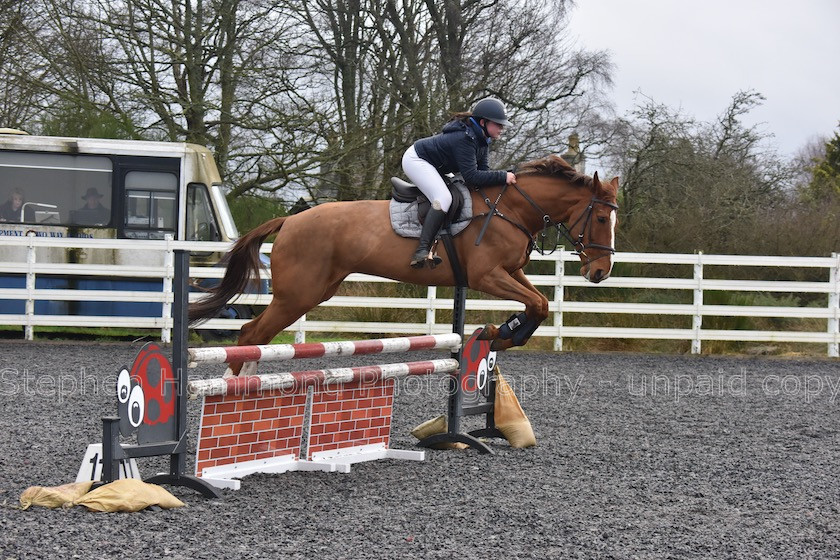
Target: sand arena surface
[{"x": 639, "y": 456}]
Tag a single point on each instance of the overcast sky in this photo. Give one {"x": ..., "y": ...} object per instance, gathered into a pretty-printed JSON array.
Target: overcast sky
[{"x": 695, "y": 55}]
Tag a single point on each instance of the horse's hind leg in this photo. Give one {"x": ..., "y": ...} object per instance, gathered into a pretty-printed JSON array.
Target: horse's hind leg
[
  {"x": 262, "y": 329},
  {"x": 280, "y": 313}
]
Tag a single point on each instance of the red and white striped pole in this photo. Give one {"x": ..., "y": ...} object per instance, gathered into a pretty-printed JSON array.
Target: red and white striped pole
[
  {"x": 298, "y": 379},
  {"x": 282, "y": 352}
]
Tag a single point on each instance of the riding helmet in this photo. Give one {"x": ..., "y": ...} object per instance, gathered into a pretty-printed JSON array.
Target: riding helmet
[{"x": 491, "y": 109}]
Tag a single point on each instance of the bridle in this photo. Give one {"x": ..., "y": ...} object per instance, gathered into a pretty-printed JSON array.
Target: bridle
[{"x": 562, "y": 229}]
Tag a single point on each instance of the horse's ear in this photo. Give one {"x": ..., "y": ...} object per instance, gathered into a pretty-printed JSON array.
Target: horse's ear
[
  {"x": 614, "y": 183},
  {"x": 595, "y": 181}
]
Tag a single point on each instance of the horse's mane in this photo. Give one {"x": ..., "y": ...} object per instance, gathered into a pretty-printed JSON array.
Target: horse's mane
[{"x": 554, "y": 166}]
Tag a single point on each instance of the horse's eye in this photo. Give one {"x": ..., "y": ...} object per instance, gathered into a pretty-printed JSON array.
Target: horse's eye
[{"x": 602, "y": 220}]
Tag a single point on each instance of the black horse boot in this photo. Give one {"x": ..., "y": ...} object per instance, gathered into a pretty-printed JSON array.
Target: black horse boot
[{"x": 433, "y": 223}]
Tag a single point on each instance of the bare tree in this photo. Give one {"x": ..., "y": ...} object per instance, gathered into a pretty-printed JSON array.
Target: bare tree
[
  {"x": 305, "y": 94},
  {"x": 220, "y": 73},
  {"x": 397, "y": 69},
  {"x": 553, "y": 87},
  {"x": 206, "y": 69},
  {"x": 688, "y": 185},
  {"x": 343, "y": 55},
  {"x": 20, "y": 66}
]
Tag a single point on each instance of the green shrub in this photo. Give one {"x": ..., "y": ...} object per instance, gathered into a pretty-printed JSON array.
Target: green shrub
[{"x": 250, "y": 211}]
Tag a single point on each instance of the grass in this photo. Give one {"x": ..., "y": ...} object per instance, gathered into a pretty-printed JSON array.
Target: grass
[
  {"x": 109, "y": 334},
  {"x": 80, "y": 333}
]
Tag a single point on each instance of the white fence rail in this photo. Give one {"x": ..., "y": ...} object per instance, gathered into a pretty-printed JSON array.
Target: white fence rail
[{"x": 827, "y": 290}]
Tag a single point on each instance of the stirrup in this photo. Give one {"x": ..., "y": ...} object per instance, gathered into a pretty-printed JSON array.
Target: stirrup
[{"x": 419, "y": 260}]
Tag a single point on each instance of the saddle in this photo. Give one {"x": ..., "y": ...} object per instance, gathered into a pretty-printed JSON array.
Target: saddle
[{"x": 409, "y": 207}]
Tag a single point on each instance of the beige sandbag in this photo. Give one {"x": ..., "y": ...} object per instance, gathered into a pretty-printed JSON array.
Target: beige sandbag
[
  {"x": 509, "y": 417},
  {"x": 433, "y": 427},
  {"x": 54, "y": 496},
  {"x": 129, "y": 494},
  {"x": 430, "y": 427}
]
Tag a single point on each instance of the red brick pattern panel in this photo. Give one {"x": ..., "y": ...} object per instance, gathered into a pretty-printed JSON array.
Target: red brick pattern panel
[
  {"x": 238, "y": 428},
  {"x": 351, "y": 415}
]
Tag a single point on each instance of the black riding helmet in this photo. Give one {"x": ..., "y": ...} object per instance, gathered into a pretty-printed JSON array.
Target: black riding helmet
[{"x": 491, "y": 109}]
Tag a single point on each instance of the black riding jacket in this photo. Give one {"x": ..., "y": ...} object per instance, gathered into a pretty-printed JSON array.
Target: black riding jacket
[{"x": 461, "y": 148}]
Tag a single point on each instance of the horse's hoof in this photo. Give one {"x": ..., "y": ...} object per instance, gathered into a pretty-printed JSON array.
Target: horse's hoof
[
  {"x": 248, "y": 368},
  {"x": 489, "y": 332},
  {"x": 228, "y": 374}
]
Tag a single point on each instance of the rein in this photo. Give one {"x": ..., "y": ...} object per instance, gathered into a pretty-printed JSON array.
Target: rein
[
  {"x": 494, "y": 211},
  {"x": 562, "y": 229}
]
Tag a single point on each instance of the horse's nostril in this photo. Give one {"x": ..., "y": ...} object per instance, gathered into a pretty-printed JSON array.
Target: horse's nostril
[{"x": 598, "y": 275}]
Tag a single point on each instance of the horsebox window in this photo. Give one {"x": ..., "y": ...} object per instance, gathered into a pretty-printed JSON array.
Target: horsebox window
[
  {"x": 201, "y": 222},
  {"x": 52, "y": 189},
  {"x": 150, "y": 204}
]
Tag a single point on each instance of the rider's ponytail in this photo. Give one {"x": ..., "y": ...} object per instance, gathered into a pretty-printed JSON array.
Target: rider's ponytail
[{"x": 460, "y": 116}]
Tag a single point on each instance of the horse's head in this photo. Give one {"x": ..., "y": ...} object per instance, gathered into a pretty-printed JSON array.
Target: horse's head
[
  {"x": 593, "y": 230},
  {"x": 586, "y": 204}
]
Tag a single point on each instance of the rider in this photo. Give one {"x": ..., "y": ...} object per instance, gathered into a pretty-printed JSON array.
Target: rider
[{"x": 461, "y": 147}]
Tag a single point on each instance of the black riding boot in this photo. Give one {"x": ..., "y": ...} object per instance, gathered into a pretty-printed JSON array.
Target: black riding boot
[{"x": 433, "y": 223}]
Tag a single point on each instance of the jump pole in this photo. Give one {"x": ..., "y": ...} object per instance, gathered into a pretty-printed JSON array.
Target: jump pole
[
  {"x": 479, "y": 401},
  {"x": 324, "y": 420},
  {"x": 319, "y": 420}
]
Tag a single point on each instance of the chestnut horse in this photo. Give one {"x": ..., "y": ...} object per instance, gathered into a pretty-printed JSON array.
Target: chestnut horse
[{"x": 315, "y": 250}]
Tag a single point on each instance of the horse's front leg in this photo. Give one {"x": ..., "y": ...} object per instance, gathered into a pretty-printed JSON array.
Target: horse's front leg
[{"x": 517, "y": 330}]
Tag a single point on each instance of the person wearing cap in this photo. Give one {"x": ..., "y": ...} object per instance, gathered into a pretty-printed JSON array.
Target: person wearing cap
[
  {"x": 462, "y": 147},
  {"x": 92, "y": 213}
]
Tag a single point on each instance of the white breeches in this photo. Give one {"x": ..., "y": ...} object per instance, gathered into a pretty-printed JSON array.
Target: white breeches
[{"x": 426, "y": 177}]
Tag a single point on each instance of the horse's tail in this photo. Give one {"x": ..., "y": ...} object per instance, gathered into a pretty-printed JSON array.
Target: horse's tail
[{"x": 243, "y": 264}]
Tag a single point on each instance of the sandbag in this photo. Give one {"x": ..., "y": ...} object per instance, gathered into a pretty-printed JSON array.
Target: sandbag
[
  {"x": 509, "y": 417},
  {"x": 54, "y": 496},
  {"x": 433, "y": 427},
  {"x": 129, "y": 494}
]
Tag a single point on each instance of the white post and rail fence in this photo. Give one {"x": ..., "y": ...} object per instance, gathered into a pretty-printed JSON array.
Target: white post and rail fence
[{"x": 815, "y": 300}]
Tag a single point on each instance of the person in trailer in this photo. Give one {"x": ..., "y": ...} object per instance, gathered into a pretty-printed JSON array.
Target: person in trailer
[
  {"x": 11, "y": 209},
  {"x": 93, "y": 213}
]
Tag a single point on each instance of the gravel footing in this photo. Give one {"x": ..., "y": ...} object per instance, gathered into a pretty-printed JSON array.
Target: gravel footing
[{"x": 638, "y": 456}]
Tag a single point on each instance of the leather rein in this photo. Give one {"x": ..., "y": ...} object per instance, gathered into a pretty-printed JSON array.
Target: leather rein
[{"x": 562, "y": 229}]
